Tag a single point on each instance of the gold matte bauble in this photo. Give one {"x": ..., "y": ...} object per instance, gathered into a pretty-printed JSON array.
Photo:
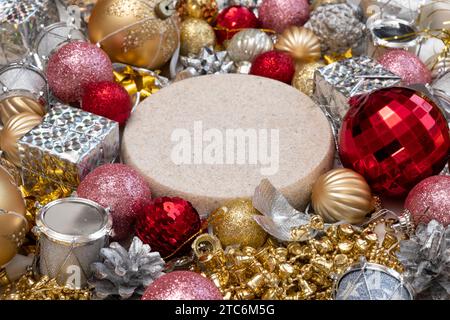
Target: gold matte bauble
[
  {"x": 233, "y": 224},
  {"x": 194, "y": 35},
  {"x": 16, "y": 127},
  {"x": 13, "y": 105},
  {"x": 303, "y": 79},
  {"x": 129, "y": 31},
  {"x": 342, "y": 195},
  {"x": 300, "y": 43}
]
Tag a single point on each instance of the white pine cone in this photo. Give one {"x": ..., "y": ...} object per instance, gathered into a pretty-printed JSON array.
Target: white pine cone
[
  {"x": 337, "y": 27},
  {"x": 124, "y": 273}
]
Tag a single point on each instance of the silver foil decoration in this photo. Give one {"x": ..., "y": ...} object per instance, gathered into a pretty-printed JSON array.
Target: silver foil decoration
[
  {"x": 336, "y": 83},
  {"x": 207, "y": 61},
  {"x": 278, "y": 216},
  {"x": 69, "y": 141},
  {"x": 426, "y": 257},
  {"x": 18, "y": 11},
  {"x": 125, "y": 273},
  {"x": 20, "y": 23}
]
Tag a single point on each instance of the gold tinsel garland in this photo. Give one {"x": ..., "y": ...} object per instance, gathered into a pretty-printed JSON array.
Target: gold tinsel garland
[{"x": 298, "y": 270}]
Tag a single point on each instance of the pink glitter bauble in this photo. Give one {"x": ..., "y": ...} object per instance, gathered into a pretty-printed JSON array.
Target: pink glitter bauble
[
  {"x": 120, "y": 188},
  {"x": 406, "y": 65},
  {"x": 430, "y": 200},
  {"x": 75, "y": 65},
  {"x": 280, "y": 14},
  {"x": 182, "y": 285}
]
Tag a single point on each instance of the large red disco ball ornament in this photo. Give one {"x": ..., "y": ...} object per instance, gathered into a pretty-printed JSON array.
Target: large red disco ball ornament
[{"x": 394, "y": 137}]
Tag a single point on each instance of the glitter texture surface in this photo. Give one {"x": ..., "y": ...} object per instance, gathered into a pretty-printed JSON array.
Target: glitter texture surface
[
  {"x": 74, "y": 66},
  {"x": 233, "y": 224},
  {"x": 280, "y": 14},
  {"x": 118, "y": 187},
  {"x": 274, "y": 65},
  {"x": 182, "y": 285},
  {"x": 107, "y": 99},
  {"x": 406, "y": 65},
  {"x": 433, "y": 194}
]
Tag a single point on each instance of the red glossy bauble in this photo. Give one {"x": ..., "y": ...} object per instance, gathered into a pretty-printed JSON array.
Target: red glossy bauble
[
  {"x": 75, "y": 65},
  {"x": 394, "y": 137},
  {"x": 120, "y": 188},
  {"x": 168, "y": 225},
  {"x": 182, "y": 285},
  {"x": 430, "y": 200},
  {"x": 107, "y": 99},
  {"x": 274, "y": 65},
  {"x": 233, "y": 19}
]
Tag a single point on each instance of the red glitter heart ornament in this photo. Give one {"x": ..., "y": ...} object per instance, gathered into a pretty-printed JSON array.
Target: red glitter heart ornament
[{"x": 394, "y": 137}]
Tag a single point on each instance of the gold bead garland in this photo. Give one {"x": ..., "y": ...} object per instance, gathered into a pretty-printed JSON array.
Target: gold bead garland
[{"x": 298, "y": 270}]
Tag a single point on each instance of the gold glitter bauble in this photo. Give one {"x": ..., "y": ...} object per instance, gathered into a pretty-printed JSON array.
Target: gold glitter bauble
[
  {"x": 233, "y": 224},
  {"x": 342, "y": 194},
  {"x": 301, "y": 43},
  {"x": 130, "y": 32},
  {"x": 200, "y": 9},
  {"x": 194, "y": 35},
  {"x": 16, "y": 127},
  {"x": 13, "y": 105},
  {"x": 247, "y": 44},
  {"x": 303, "y": 79}
]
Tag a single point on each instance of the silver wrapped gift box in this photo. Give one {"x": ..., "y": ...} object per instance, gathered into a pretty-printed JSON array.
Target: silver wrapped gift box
[
  {"x": 336, "y": 83},
  {"x": 65, "y": 147}
]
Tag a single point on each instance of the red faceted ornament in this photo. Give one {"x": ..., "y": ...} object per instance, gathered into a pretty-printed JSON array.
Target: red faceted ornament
[
  {"x": 168, "y": 225},
  {"x": 107, "y": 99},
  {"x": 274, "y": 65},
  {"x": 233, "y": 19},
  {"x": 394, "y": 137}
]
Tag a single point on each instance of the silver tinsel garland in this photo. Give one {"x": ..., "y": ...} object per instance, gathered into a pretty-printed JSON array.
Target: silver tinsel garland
[
  {"x": 426, "y": 258},
  {"x": 124, "y": 273}
]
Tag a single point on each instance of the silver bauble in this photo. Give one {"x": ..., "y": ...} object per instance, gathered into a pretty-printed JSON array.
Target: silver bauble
[{"x": 247, "y": 44}]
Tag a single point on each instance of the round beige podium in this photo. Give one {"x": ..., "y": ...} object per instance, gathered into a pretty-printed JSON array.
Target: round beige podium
[{"x": 213, "y": 138}]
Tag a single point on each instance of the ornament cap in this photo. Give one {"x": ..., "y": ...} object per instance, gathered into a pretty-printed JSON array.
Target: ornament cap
[{"x": 166, "y": 8}]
